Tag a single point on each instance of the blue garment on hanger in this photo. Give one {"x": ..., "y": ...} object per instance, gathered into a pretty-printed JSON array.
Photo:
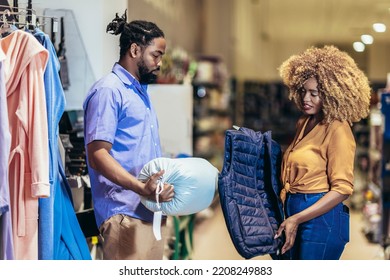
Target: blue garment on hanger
[
  {"x": 60, "y": 235},
  {"x": 70, "y": 242}
]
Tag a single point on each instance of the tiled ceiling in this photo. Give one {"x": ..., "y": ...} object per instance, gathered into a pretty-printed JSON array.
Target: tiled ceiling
[{"x": 336, "y": 21}]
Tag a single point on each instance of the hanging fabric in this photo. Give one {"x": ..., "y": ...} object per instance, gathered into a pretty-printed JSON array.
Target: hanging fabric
[
  {"x": 55, "y": 104},
  {"x": 70, "y": 242},
  {"x": 6, "y": 240},
  {"x": 42, "y": 223},
  {"x": 25, "y": 63},
  {"x": 60, "y": 235}
]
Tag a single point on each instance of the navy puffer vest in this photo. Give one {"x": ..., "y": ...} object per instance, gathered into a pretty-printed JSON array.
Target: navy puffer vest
[{"x": 249, "y": 187}]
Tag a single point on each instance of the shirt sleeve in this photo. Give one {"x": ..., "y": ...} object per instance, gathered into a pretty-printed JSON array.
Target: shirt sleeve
[
  {"x": 101, "y": 115},
  {"x": 341, "y": 156}
]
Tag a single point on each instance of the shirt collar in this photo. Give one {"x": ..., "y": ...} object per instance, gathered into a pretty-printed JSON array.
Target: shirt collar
[{"x": 126, "y": 77}]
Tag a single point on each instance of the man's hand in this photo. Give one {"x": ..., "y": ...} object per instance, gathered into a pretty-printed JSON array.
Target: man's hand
[{"x": 151, "y": 186}]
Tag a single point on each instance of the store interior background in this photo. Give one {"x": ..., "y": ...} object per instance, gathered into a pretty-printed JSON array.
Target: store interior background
[
  {"x": 252, "y": 37},
  {"x": 247, "y": 40}
]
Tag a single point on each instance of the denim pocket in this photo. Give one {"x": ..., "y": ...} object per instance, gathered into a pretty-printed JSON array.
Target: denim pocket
[{"x": 344, "y": 226}]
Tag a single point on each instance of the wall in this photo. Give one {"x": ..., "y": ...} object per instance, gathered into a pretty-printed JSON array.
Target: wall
[
  {"x": 217, "y": 35},
  {"x": 179, "y": 19},
  {"x": 378, "y": 61},
  {"x": 92, "y": 18}
]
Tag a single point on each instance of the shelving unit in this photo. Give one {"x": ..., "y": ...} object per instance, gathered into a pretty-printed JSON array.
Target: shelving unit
[
  {"x": 213, "y": 112},
  {"x": 361, "y": 132},
  {"x": 385, "y": 175},
  {"x": 376, "y": 209},
  {"x": 371, "y": 206},
  {"x": 265, "y": 106}
]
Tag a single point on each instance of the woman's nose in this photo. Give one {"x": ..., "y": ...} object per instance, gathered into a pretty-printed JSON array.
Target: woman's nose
[{"x": 306, "y": 95}]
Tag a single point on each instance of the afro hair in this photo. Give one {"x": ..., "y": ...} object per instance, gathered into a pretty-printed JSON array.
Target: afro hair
[{"x": 344, "y": 88}]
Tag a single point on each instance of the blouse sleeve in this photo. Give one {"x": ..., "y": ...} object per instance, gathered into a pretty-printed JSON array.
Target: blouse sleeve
[{"x": 341, "y": 156}]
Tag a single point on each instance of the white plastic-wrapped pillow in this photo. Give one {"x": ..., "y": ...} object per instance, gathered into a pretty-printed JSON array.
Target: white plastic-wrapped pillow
[{"x": 195, "y": 181}]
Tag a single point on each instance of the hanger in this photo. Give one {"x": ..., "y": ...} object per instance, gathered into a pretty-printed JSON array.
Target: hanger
[
  {"x": 6, "y": 28},
  {"x": 22, "y": 17},
  {"x": 18, "y": 16},
  {"x": 42, "y": 20}
]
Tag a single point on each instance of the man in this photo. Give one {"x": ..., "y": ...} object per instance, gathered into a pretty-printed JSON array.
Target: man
[{"x": 121, "y": 136}]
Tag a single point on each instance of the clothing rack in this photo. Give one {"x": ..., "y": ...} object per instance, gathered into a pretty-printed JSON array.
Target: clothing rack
[
  {"x": 53, "y": 230},
  {"x": 23, "y": 17}
]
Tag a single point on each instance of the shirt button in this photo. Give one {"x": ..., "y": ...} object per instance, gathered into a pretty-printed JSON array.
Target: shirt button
[{"x": 151, "y": 126}]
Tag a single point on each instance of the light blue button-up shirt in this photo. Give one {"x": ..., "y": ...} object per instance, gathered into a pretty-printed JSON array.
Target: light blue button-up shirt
[{"x": 118, "y": 110}]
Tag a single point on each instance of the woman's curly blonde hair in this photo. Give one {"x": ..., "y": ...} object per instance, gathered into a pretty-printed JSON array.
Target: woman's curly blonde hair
[{"x": 344, "y": 89}]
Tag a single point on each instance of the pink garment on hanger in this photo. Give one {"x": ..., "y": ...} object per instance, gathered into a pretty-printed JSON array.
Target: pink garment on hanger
[{"x": 24, "y": 68}]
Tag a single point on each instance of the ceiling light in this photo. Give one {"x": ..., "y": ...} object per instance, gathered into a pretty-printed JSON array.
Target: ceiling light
[
  {"x": 379, "y": 27},
  {"x": 367, "y": 39},
  {"x": 358, "y": 46}
]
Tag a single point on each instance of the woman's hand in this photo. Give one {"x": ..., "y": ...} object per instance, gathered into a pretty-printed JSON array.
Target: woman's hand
[
  {"x": 290, "y": 228},
  {"x": 290, "y": 225}
]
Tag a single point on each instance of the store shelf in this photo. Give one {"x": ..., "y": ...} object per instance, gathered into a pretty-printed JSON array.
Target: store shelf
[{"x": 213, "y": 113}]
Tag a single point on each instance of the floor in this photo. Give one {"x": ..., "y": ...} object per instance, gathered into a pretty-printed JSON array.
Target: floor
[{"x": 211, "y": 240}]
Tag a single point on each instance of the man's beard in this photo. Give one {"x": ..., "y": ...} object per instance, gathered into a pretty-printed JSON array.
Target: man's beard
[{"x": 146, "y": 76}]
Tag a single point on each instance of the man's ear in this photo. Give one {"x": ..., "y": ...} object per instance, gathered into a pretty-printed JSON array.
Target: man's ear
[{"x": 134, "y": 50}]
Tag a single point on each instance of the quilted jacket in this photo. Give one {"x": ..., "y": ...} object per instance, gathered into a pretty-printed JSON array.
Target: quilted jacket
[{"x": 249, "y": 187}]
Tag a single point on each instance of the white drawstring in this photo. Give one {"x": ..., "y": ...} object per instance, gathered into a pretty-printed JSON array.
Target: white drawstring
[
  {"x": 157, "y": 216},
  {"x": 159, "y": 190}
]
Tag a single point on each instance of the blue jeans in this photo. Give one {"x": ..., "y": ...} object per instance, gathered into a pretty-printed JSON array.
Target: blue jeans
[{"x": 322, "y": 238}]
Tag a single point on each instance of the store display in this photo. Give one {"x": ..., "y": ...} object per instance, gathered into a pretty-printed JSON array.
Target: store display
[
  {"x": 361, "y": 132},
  {"x": 213, "y": 113},
  {"x": 376, "y": 204},
  {"x": 72, "y": 136},
  {"x": 35, "y": 101},
  {"x": 385, "y": 176},
  {"x": 265, "y": 106}
]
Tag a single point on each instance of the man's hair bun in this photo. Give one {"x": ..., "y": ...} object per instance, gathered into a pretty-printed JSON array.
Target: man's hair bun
[{"x": 116, "y": 26}]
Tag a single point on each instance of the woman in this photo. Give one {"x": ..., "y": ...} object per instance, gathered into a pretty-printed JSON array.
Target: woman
[{"x": 317, "y": 168}]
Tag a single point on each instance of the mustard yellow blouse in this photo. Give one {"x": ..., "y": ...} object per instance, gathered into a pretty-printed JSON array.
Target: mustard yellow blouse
[{"x": 323, "y": 160}]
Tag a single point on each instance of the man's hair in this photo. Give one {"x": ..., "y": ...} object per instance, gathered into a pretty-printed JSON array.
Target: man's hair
[
  {"x": 140, "y": 32},
  {"x": 344, "y": 89}
]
